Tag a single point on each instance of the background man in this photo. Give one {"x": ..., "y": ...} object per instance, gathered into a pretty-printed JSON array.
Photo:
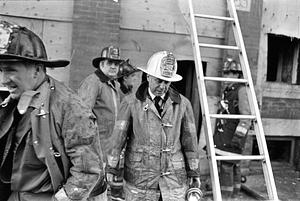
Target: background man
[
  {"x": 50, "y": 148},
  {"x": 230, "y": 134},
  {"x": 158, "y": 125},
  {"x": 127, "y": 78},
  {"x": 100, "y": 92}
]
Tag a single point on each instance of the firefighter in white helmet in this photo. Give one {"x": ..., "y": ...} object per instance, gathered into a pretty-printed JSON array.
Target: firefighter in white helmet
[
  {"x": 230, "y": 134},
  {"x": 157, "y": 123}
]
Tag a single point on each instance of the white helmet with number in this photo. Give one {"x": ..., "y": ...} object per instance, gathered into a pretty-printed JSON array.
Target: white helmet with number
[{"x": 162, "y": 65}]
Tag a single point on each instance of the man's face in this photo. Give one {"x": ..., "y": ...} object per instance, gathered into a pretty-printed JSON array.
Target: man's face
[
  {"x": 157, "y": 86},
  {"x": 17, "y": 77},
  {"x": 129, "y": 80},
  {"x": 110, "y": 68}
]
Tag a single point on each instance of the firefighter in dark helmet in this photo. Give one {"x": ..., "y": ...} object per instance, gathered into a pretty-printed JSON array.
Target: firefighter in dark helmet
[{"x": 230, "y": 134}]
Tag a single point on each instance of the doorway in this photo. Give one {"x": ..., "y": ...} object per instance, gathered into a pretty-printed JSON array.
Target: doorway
[{"x": 188, "y": 87}]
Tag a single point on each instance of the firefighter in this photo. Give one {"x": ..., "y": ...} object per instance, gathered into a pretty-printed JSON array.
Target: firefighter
[
  {"x": 157, "y": 123},
  {"x": 126, "y": 78},
  {"x": 100, "y": 92},
  {"x": 230, "y": 134},
  {"x": 50, "y": 149}
]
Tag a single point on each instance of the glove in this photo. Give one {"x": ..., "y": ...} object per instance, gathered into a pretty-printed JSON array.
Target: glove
[
  {"x": 194, "y": 182},
  {"x": 61, "y": 196},
  {"x": 109, "y": 177},
  {"x": 194, "y": 192}
]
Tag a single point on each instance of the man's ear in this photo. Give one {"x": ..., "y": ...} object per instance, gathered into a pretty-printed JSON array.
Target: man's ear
[
  {"x": 101, "y": 64},
  {"x": 38, "y": 68}
]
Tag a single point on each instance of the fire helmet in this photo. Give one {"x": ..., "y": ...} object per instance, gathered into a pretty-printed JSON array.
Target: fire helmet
[
  {"x": 231, "y": 65},
  {"x": 162, "y": 65},
  {"x": 111, "y": 53},
  {"x": 18, "y": 43},
  {"x": 126, "y": 68}
]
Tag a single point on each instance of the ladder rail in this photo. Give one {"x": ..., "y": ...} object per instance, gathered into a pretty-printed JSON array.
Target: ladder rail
[
  {"x": 240, "y": 46},
  {"x": 232, "y": 116},
  {"x": 241, "y": 157},
  {"x": 214, "y": 17},
  {"x": 269, "y": 177},
  {"x": 204, "y": 107},
  {"x": 225, "y": 47},
  {"x": 222, "y": 79}
]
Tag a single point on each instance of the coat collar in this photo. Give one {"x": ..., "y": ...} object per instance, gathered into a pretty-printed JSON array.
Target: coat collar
[
  {"x": 32, "y": 98},
  {"x": 142, "y": 93},
  {"x": 101, "y": 76}
]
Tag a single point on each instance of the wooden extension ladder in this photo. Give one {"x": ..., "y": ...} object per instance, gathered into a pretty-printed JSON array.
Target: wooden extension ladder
[{"x": 247, "y": 80}]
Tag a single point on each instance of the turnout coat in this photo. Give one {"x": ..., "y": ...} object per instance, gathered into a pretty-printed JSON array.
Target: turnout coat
[
  {"x": 99, "y": 94},
  {"x": 235, "y": 97},
  {"x": 161, "y": 150},
  {"x": 64, "y": 135}
]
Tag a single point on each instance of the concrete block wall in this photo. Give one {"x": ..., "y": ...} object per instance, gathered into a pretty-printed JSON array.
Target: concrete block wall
[
  {"x": 283, "y": 108},
  {"x": 96, "y": 24}
]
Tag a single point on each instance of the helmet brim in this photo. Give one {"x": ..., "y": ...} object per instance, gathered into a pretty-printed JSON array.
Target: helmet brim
[
  {"x": 97, "y": 60},
  {"x": 175, "y": 77},
  {"x": 47, "y": 63}
]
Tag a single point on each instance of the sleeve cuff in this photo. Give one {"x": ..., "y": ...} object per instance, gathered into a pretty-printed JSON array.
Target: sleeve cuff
[{"x": 61, "y": 195}]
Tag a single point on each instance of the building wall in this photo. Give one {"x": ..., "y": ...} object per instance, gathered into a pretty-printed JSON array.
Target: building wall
[
  {"x": 280, "y": 101},
  {"x": 150, "y": 26},
  {"x": 95, "y": 26},
  {"x": 51, "y": 20},
  {"x": 250, "y": 22}
]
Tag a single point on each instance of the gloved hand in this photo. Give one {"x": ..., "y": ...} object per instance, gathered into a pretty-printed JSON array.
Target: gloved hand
[
  {"x": 194, "y": 193},
  {"x": 109, "y": 177},
  {"x": 60, "y": 196},
  {"x": 194, "y": 182}
]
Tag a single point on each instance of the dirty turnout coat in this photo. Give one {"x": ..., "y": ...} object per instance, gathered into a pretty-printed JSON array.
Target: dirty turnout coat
[
  {"x": 161, "y": 151},
  {"x": 98, "y": 93},
  {"x": 64, "y": 136}
]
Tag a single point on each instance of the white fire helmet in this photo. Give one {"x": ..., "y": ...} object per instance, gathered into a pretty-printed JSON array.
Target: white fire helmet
[{"x": 162, "y": 65}]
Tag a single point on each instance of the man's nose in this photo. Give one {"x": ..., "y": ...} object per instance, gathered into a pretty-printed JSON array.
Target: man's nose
[{"x": 4, "y": 78}]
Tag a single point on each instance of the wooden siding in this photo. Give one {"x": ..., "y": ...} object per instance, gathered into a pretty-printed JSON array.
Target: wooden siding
[{"x": 280, "y": 17}]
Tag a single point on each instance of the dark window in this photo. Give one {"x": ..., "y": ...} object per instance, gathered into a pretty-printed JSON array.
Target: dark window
[{"x": 283, "y": 59}]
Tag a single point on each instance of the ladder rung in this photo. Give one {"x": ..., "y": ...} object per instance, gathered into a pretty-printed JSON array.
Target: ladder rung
[
  {"x": 214, "y": 17},
  {"x": 232, "y": 116},
  {"x": 223, "y": 79},
  {"x": 227, "y": 47},
  {"x": 3, "y": 89},
  {"x": 241, "y": 157}
]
